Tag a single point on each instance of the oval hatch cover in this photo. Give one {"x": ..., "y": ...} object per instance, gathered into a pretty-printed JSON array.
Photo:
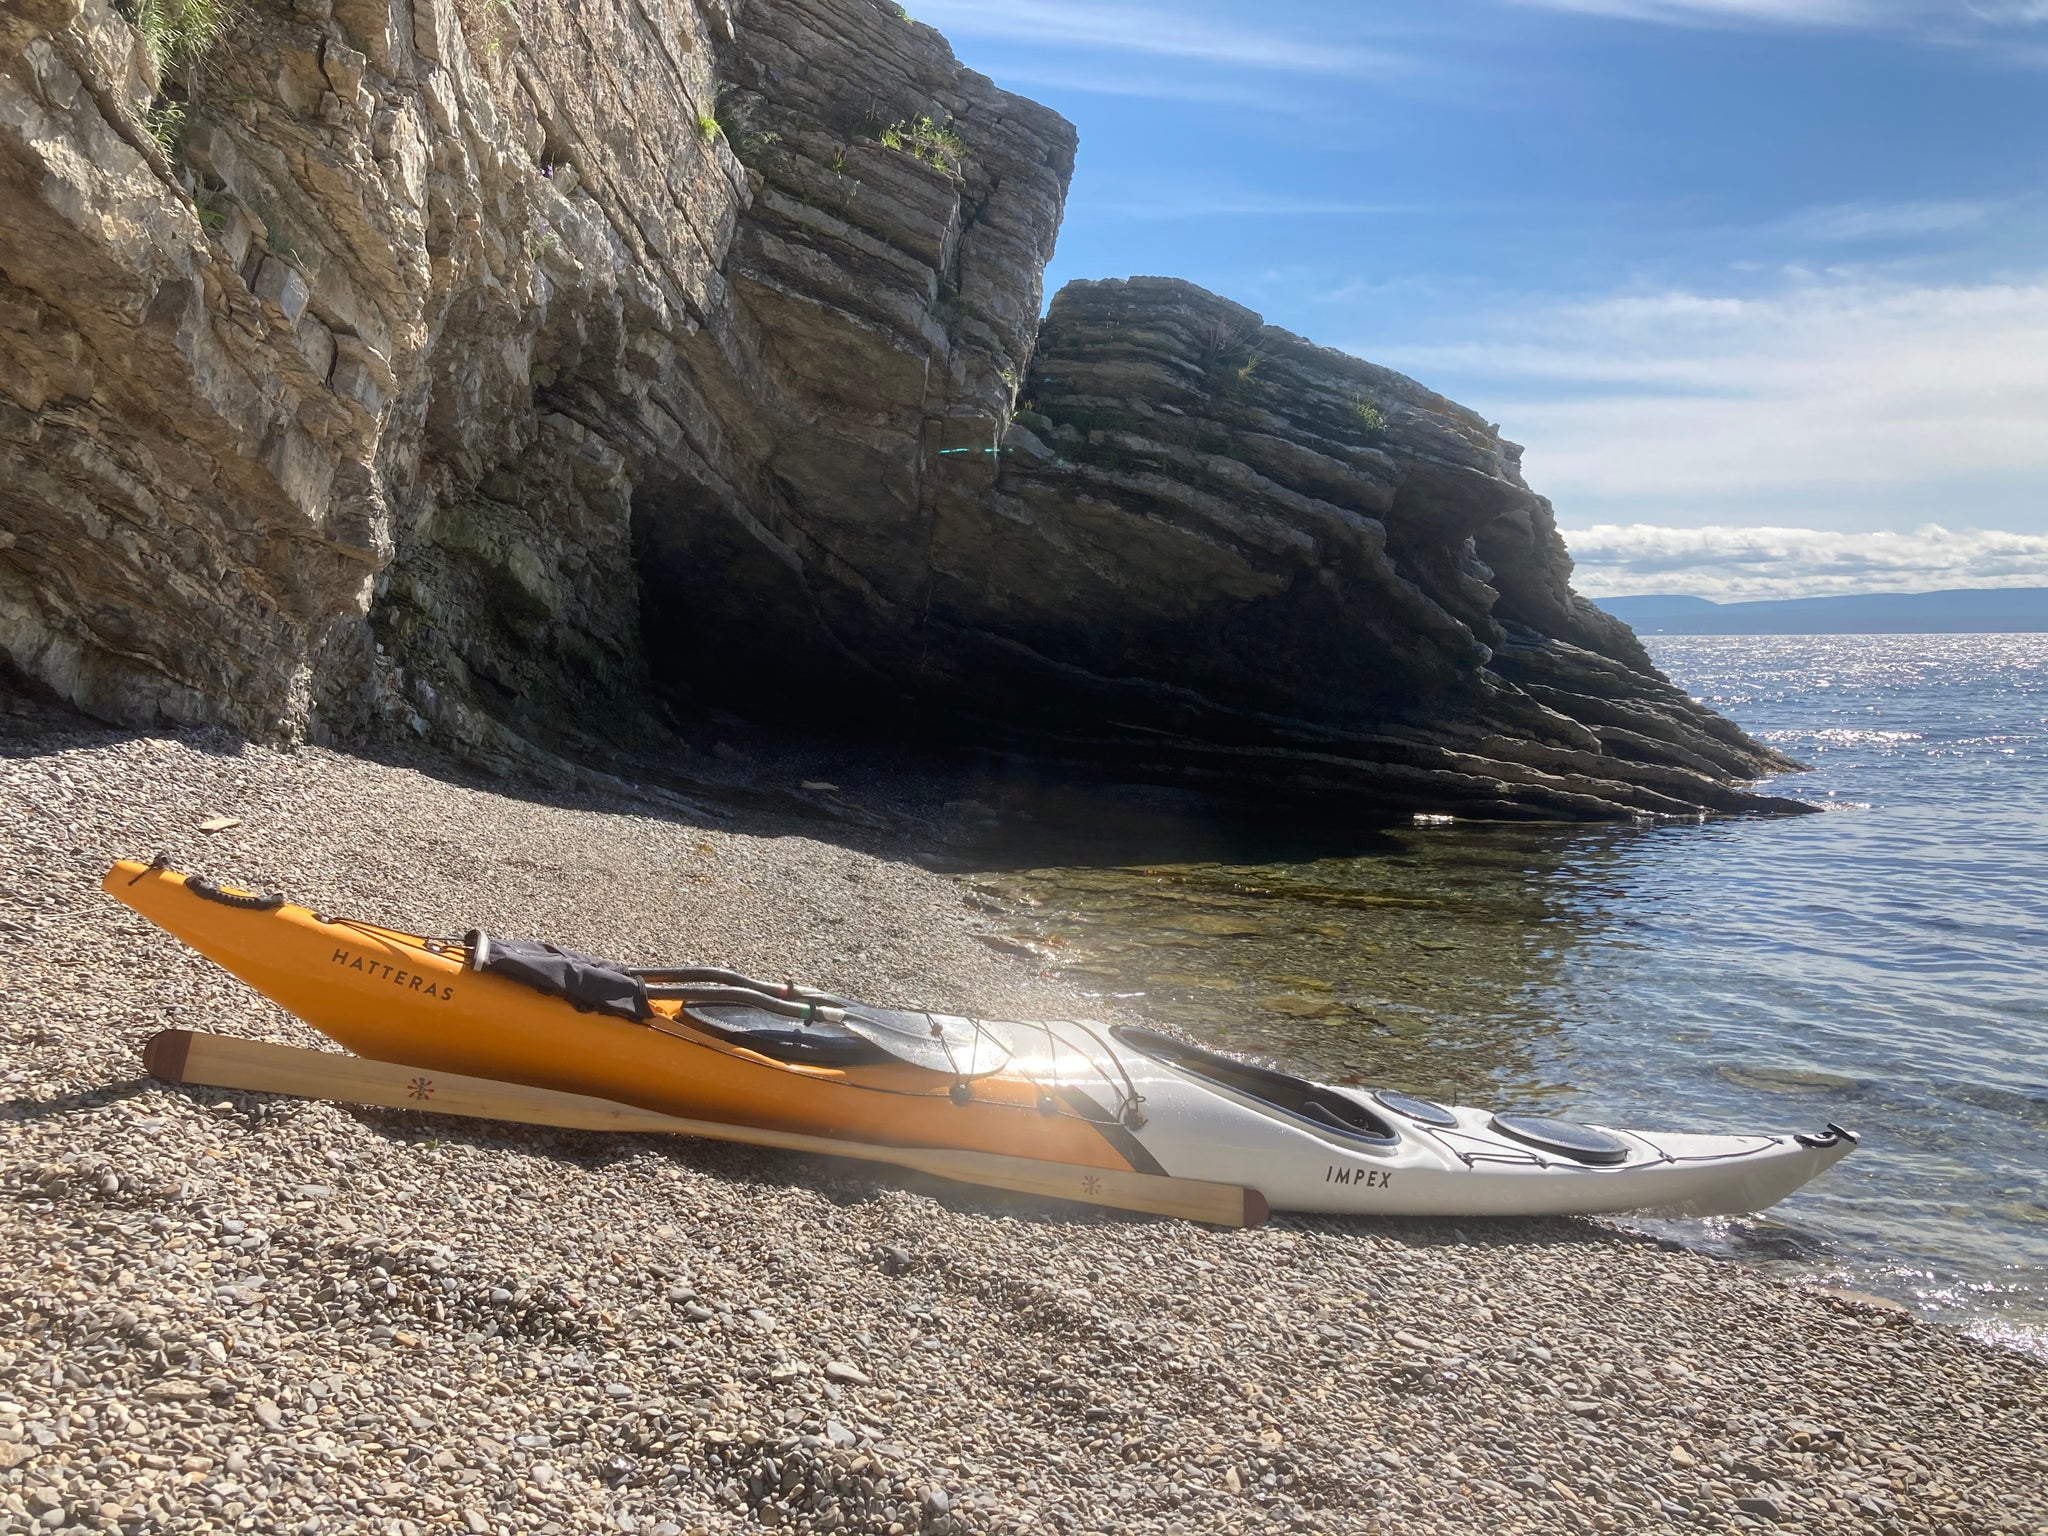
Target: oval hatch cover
[{"x": 1581, "y": 1143}]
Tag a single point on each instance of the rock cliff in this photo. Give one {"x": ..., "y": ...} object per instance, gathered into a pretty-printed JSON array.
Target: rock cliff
[
  {"x": 1265, "y": 561},
  {"x": 488, "y": 370}
]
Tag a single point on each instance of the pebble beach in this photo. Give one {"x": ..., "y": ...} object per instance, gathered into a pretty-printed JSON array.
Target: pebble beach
[{"x": 237, "y": 1311}]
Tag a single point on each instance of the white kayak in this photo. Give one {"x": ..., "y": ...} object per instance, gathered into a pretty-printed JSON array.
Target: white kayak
[{"x": 1312, "y": 1146}]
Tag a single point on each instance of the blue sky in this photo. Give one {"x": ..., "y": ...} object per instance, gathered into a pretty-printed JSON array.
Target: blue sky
[{"x": 1722, "y": 265}]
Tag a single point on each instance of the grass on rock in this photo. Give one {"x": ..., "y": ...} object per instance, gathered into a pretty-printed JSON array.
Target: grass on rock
[
  {"x": 178, "y": 33},
  {"x": 926, "y": 139}
]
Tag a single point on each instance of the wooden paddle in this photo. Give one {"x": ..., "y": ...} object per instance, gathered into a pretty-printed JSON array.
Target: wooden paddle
[{"x": 225, "y": 1061}]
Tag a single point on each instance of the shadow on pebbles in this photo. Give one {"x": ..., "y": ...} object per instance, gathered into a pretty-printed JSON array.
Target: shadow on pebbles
[{"x": 226, "y": 1311}]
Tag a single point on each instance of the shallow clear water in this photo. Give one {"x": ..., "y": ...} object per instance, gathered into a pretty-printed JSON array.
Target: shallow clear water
[{"x": 1882, "y": 966}]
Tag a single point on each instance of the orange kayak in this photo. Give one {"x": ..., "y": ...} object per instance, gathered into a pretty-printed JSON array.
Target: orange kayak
[{"x": 404, "y": 998}]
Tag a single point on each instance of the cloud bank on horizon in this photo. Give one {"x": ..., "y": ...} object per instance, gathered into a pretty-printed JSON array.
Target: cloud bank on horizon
[
  {"x": 1759, "y": 283},
  {"x": 1846, "y": 398},
  {"x": 1750, "y": 564}
]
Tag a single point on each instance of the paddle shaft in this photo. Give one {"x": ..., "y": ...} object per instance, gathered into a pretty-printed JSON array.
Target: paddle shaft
[{"x": 226, "y": 1061}]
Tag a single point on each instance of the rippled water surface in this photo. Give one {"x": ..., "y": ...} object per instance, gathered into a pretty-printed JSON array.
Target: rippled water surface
[{"x": 1885, "y": 965}]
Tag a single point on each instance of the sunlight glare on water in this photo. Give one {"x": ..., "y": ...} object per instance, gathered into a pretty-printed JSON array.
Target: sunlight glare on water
[{"x": 1880, "y": 966}]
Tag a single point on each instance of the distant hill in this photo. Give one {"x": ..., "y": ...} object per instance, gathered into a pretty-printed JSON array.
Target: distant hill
[{"x": 1991, "y": 611}]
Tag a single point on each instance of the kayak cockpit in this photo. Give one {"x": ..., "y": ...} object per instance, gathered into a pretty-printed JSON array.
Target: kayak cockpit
[
  {"x": 779, "y": 1020},
  {"x": 780, "y": 1039},
  {"x": 1326, "y": 1109}
]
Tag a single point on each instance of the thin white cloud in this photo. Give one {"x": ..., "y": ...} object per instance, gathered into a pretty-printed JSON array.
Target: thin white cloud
[
  {"x": 1738, "y": 564},
  {"x": 1241, "y": 205},
  {"x": 1794, "y": 13},
  {"x": 1699, "y": 407},
  {"x": 1984, "y": 25},
  {"x": 1855, "y": 223},
  {"x": 1158, "y": 32},
  {"x": 1112, "y": 81}
]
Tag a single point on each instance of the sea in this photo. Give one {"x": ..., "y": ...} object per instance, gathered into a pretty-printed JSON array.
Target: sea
[{"x": 1883, "y": 965}]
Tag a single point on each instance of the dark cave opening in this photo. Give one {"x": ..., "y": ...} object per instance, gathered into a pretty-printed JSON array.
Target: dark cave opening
[{"x": 728, "y": 622}]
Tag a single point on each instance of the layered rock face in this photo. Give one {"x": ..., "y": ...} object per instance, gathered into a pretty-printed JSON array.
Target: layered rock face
[
  {"x": 340, "y": 413},
  {"x": 888, "y": 273},
  {"x": 186, "y": 478},
  {"x": 300, "y": 339},
  {"x": 485, "y": 371},
  {"x": 1265, "y": 564}
]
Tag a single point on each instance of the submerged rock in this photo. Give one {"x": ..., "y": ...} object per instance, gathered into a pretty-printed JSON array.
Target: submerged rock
[{"x": 432, "y": 370}]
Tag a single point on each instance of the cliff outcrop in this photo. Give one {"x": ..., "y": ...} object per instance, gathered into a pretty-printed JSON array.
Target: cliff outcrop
[
  {"x": 1217, "y": 494},
  {"x": 487, "y": 372}
]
